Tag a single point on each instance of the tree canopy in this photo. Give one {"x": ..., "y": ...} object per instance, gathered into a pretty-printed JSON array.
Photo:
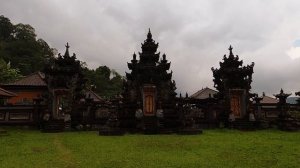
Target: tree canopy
[
  {"x": 20, "y": 46},
  {"x": 7, "y": 28},
  {"x": 8, "y": 74},
  {"x": 104, "y": 81}
]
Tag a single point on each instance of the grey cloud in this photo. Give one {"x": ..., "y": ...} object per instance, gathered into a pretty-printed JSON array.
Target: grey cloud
[{"x": 194, "y": 34}]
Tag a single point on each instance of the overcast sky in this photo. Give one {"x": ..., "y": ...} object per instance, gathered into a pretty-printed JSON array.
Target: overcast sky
[{"x": 194, "y": 34}]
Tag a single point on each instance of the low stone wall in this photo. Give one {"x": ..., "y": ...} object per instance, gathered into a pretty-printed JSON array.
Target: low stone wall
[{"x": 20, "y": 114}]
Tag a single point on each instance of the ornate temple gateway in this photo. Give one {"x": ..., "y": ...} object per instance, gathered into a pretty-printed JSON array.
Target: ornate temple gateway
[
  {"x": 233, "y": 81},
  {"x": 149, "y": 92},
  {"x": 65, "y": 81}
]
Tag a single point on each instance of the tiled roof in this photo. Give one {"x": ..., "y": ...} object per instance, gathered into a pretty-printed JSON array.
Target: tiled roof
[
  {"x": 6, "y": 93},
  {"x": 93, "y": 95},
  {"x": 204, "y": 93},
  {"x": 268, "y": 100},
  {"x": 35, "y": 79}
]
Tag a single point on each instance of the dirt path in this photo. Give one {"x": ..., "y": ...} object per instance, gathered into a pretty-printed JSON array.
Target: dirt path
[{"x": 65, "y": 155}]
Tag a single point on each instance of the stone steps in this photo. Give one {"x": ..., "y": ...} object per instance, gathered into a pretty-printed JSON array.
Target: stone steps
[
  {"x": 53, "y": 126},
  {"x": 244, "y": 125},
  {"x": 150, "y": 125}
]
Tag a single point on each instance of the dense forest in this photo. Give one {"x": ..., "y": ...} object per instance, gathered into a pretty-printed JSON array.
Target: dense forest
[{"x": 23, "y": 53}]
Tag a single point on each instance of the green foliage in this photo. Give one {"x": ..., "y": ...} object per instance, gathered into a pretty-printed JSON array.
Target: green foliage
[
  {"x": 6, "y": 28},
  {"x": 24, "y": 32},
  {"x": 104, "y": 81},
  {"x": 20, "y": 47},
  {"x": 213, "y": 148},
  {"x": 8, "y": 74}
]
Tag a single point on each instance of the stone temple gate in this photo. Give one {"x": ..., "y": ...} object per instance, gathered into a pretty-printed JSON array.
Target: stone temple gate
[{"x": 149, "y": 92}]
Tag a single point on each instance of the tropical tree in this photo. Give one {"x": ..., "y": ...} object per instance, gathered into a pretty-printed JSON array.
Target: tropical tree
[
  {"x": 19, "y": 46},
  {"x": 104, "y": 81},
  {"x": 8, "y": 74},
  {"x": 6, "y": 28}
]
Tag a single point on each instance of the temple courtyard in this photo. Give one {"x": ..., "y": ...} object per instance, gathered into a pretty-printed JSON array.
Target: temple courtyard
[{"x": 24, "y": 147}]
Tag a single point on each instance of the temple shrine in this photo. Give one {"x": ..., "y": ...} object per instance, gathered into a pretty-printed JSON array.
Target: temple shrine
[
  {"x": 65, "y": 82},
  {"x": 233, "y": 81},
  {"x": 149, "y": 91}
]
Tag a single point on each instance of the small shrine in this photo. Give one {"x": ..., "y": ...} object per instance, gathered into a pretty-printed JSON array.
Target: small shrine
[
  {"x": 149, "y": 91},
  {"x": 282, "y": 104},
  {"x": 233, "y": 81},
  {"x": 285, "y": 120}
]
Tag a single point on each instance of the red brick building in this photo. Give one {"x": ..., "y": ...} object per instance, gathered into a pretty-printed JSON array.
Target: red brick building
[{"x": 27, "y": 89}]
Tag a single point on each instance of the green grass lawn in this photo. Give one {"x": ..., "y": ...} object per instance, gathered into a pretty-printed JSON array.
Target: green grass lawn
[{"x": 214, "y": 148}]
